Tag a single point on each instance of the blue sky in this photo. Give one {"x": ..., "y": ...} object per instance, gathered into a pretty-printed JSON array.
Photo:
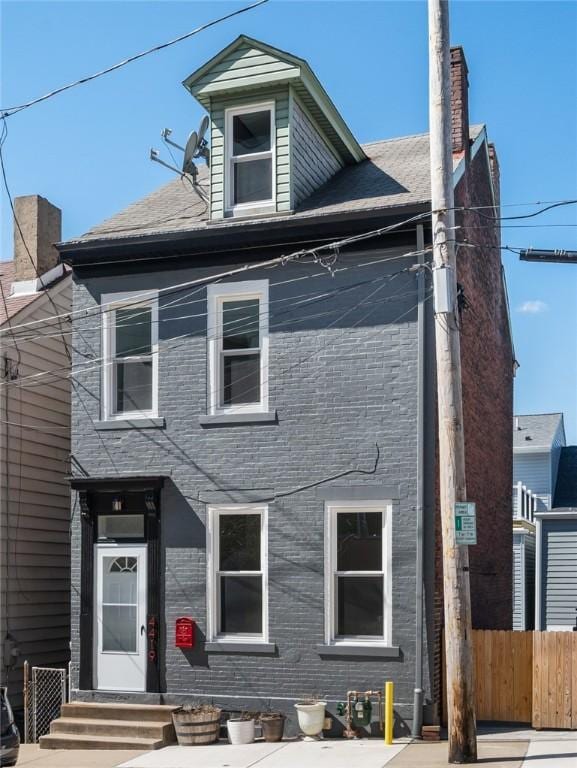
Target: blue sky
[{"x": 87, "y": 150}]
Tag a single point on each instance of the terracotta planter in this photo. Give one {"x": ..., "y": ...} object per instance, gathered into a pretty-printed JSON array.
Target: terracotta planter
[
  {"x": 240, "y": 731},
  {"x": 272, "y": 727}
]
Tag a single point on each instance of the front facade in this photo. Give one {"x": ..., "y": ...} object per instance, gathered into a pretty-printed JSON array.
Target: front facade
[{"x": 258, "y": 445}]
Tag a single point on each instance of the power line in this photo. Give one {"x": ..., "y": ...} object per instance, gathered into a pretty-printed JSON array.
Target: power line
[
  {"x": 9, "y": 111},
  {"x": 24, "y": 243},
  {"x": 306, "y": 297},
  {"x": 278, "y": 261},
  {"x": 99, "y": 362},
  {"x": 328, "y": 342}
]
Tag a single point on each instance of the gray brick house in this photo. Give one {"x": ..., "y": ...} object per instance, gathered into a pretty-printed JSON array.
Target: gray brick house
[{"x": 256, "y": 451}]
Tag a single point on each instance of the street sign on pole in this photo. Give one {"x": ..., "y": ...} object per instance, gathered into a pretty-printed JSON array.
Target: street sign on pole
[{"x": 465, "y": 522}]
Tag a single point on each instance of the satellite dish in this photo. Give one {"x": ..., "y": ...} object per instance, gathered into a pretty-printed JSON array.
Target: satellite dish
[
  {"x": 189, "y": 153},
  {"x": 203, "y": 128}
]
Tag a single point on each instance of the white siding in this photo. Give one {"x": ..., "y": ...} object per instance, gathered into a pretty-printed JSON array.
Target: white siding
[
  {"x": 35, "y": 510},
  {"x": 534, "y": 470},
  {"x": 518, "y": 581}
]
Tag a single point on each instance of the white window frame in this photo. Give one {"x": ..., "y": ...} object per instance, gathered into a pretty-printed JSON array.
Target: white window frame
[
  {"x": 332, "y": 508},
  {"x": 217, "y": 295},
  {"x": 231, "y": 160},
  {"x": 213, "y": 556},
  {"x": 111, "y": 302}
]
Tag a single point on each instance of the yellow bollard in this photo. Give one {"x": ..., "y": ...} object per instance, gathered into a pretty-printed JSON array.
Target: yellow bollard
[{"x": 389, "y": 716}]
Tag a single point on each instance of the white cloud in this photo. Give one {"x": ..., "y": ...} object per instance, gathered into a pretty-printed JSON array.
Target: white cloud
[{"x": 534, "y": 307}]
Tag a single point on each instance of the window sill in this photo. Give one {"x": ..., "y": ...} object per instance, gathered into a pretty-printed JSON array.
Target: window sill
[
  {"x": 135, "y": 423},
  {"x": 360, "y": 651},
  {"x": 229, "y": 419},
  {"x": 261, "y": 649}
]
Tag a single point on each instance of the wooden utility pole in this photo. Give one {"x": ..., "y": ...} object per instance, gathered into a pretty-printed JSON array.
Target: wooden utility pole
[{"x": 457, "y": 598}]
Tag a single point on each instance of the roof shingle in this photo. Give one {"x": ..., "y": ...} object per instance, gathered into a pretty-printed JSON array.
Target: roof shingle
[
  {"x": 396, "y": 174},
  {"x": 536, "y": 430}
]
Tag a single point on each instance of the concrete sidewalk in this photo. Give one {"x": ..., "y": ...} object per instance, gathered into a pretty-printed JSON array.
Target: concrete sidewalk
[
  {"x": 499, "y": 748},
  {"x": 496, "y": 754},
  {"x": 327, "y": 753},
  {"x": 32, "y": 756}
]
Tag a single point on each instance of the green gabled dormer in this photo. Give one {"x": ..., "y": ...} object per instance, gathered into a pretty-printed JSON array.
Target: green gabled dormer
[{"x": 275, "y": 134}]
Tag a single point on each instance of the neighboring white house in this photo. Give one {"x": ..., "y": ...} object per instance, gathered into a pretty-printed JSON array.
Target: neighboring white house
[
  {"x": 537, "y": 443},
  {"x": 34, "y": 449}
]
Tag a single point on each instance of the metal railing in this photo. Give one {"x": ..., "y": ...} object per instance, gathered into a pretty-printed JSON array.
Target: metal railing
[{"x": 524, "y": 502}]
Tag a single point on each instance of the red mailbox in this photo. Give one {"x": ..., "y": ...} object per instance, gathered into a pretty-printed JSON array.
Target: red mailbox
[{"x": 184, "y": 632}]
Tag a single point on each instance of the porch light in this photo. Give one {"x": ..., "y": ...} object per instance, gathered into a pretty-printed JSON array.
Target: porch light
[{"x": 117, "y": 504}]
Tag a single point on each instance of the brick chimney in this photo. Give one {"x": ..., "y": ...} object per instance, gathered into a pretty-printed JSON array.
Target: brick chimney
[
  {"x": 41, "y": 225},
  {"x": 495, "y": 174},
  {"x": 459, "y": 101}
]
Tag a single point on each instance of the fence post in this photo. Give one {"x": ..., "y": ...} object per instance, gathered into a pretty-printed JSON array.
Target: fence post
[{"x": 26, "y": 704}]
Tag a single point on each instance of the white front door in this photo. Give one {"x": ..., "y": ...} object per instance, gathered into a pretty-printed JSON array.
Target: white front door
[{"x": 120, "y": 617}]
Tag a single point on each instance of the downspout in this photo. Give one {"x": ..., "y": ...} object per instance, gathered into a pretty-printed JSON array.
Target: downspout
[{"x": 418, "y": 696}]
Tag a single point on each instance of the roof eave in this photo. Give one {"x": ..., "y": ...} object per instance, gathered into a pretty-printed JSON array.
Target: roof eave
[{"x": 75, "y": 253}]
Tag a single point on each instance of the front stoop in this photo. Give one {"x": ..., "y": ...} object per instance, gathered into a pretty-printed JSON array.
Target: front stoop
[{"x": 111, "y": 726}]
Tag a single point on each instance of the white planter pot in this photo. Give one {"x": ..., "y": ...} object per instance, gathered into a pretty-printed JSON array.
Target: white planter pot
[
  {"x": 240, "y": 731},
  {"x": 311, "y": 717}
]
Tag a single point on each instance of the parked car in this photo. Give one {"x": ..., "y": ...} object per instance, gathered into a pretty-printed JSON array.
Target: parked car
[{"x": 9, "y": 736}]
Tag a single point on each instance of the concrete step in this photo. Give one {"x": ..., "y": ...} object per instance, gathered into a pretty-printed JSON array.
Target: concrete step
[
  {"x": 102, "y": 711},
  {"x": 90, "y": 726},
  {"x": 78, "y": 741}
]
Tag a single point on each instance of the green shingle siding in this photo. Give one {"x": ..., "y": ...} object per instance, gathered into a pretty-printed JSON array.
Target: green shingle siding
[
  {"x": 244, "y": 67},
  {"x": 218, "y": 106}
]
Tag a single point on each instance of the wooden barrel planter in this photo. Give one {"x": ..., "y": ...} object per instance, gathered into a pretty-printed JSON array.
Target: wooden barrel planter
[{"x": 195, "y": 726}]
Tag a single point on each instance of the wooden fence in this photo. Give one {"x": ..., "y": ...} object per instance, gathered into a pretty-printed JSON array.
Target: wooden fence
[
  {"x": 555, "y": 680},
  {"x": 524, "y": 677}
]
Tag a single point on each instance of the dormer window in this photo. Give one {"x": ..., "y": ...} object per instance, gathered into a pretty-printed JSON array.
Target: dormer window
[{"x": 250, "y": 167}]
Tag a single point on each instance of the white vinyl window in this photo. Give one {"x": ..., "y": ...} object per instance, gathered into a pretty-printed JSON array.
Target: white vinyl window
[
  {"x": 130, "y": 352},
  {"x": 358, "y": 573},
  {"x": 238, "y": 347},
  {"x": 237, "y": 573},
  {"x": 249, "y": 141}
]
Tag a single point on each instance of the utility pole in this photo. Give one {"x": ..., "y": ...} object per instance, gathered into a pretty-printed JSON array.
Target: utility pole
[{"x": 457, "y": 597}]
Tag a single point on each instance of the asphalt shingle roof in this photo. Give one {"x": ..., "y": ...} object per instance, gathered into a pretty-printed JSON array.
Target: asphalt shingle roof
[
  {"x": 535, "y": 430},
  {"x": 396, "y": 174},
  {"x": 566, "y": 488}
]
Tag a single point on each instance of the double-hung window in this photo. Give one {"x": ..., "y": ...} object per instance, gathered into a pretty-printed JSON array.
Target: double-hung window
[
  {"x": 237, "y": 580},
  {"x": 358, "y": 573},
  {"x": 130, "y": 350},
  {"x": 238, "y": 347},
  {"x": 249, "y": 136}
]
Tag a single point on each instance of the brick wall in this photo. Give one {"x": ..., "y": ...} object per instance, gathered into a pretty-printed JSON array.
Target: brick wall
[
  {"x": 487, "y": 365},
  {"x": 338, "y": 391}
]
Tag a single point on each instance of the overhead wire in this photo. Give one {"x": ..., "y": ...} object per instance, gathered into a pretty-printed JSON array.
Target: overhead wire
[
  {"x": 98, "y": 363},
  {"x": 177, "y": 303},
  {"x": 9, "y": 111},
  {"x": 277, "y": 261}
]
